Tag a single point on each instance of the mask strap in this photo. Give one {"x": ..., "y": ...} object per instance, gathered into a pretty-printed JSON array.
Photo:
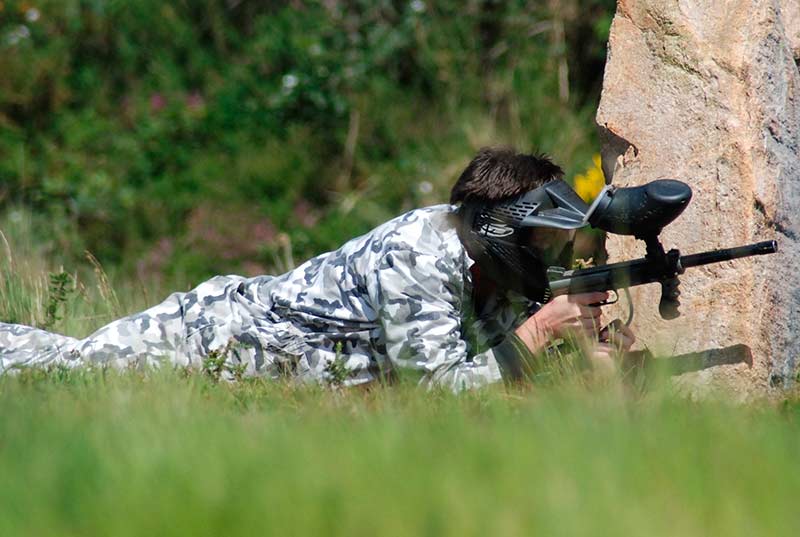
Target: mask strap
[{"x": 596, "y": 202}]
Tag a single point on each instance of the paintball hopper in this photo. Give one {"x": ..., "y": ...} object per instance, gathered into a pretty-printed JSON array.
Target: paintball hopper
[{"x": 642, "y": 211}]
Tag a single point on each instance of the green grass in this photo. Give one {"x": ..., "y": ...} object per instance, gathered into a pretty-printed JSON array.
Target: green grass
[
  {"x": 166, "y": 454},
  {"x": 175, "y": 453}
]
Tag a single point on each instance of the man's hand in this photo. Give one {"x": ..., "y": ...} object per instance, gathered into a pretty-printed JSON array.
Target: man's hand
[
  {"x": 619, "y": 335},
  {"x": 574, "y": 314},
  {"x": 614, "y": 339},
  {"x": 561, "y": 316}
]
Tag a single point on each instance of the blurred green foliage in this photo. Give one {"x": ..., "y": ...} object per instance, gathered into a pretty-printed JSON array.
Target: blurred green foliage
[{"x": 199, "y": 137}]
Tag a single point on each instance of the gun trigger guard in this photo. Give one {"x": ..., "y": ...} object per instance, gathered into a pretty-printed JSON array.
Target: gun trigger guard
[{"x": 613, "y": 300}]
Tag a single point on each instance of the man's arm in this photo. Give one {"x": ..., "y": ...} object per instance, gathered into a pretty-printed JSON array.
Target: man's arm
[{"x": 419, "y": 299}]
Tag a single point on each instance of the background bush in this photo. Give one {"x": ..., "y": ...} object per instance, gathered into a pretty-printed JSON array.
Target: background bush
[{"x": 188, "y": 138}]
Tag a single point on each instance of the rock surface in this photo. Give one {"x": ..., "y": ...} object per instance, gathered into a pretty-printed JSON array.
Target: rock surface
[
  {"x": 708, "y": 92},
  {"x": 790, "y": 13}
]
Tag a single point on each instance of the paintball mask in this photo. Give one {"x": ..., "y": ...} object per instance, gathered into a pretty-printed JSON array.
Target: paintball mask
[
  {"x": 500, "y": 235},
  {"x": 516, "y": 240}
]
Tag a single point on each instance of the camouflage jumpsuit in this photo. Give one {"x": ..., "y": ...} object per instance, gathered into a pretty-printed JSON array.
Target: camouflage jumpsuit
[{"x": 394, "y": 300}]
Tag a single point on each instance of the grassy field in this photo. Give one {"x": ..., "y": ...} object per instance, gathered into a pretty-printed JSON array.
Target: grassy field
[
  {"x": 171, "y": 453},
  {"x": 93, "y": 454}
]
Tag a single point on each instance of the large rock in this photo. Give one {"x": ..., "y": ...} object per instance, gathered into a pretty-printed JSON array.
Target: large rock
[{"x": 708, "y": 92}]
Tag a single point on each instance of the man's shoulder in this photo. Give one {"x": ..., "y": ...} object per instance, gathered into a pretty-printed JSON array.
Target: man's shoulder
[
  {"x": 427, "y": 230},
  {"x": 422, "y": 239}
]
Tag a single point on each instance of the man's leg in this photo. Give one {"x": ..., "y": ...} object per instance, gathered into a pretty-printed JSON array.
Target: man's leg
[
  {"x": 24, "y": 346},
  {"x": 145, "y": 338},
  {"x": 221, "y": 313}
]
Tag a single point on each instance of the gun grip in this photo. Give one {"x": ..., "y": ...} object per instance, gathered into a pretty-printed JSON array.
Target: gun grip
[{"x": 668, "y": 307}]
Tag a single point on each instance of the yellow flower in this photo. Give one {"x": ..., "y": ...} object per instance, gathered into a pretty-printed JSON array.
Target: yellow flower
[{"x": 589, "y": 184}]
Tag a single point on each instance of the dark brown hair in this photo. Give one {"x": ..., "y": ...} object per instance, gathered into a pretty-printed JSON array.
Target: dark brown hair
[{"x": 499, "y": 173}]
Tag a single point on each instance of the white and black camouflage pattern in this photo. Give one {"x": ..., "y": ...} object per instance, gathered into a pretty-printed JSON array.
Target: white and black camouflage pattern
[{"x": 395, "y": 300}]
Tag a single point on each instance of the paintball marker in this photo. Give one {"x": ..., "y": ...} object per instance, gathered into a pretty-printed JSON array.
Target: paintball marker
[{"x": 643, "y": 212}]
